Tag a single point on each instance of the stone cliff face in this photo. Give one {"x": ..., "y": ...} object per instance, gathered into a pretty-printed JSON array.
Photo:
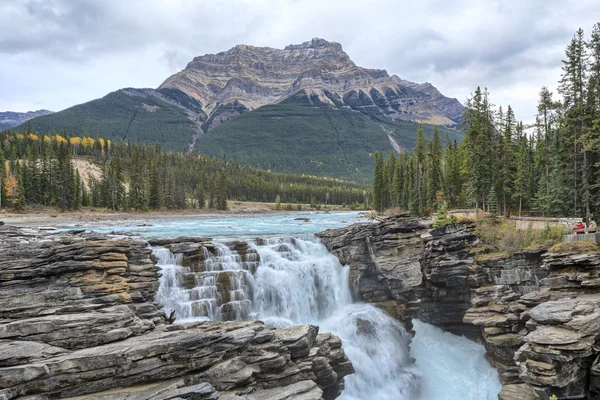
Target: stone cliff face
[
  {"x": 78, "y": 318},
  {"x": 536, "y": 313},
  {"x": 248, "y": 77}
]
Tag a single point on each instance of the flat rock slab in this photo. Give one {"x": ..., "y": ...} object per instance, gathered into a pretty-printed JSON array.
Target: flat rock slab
[{"x": 553, "y": 335}]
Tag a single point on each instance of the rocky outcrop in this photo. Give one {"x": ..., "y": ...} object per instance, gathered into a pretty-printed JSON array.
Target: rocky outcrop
[
  {"x": 78, "y": 318},
  {"x": 384, "y": 261},
  {"x": 536, "y": 313},
  {"x": 247, "y": 77},
  {"x": 410, "y": 270},
  {"x": 74, "y": 291},
  {"x": 450, "y": 272}
]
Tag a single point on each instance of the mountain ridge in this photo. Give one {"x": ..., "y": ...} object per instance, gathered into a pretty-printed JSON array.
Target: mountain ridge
[
  {"x": 307, "y": 108},
  {"x": 256, "y": 76},
  {"x": 9, "y": 119}
]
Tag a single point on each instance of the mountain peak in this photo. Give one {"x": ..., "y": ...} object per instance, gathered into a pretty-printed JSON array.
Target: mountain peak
[
  {"x": 245, "y": 78},
  {"x": 315, "y": 43}
]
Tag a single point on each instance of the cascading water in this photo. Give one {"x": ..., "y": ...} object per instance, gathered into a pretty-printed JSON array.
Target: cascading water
[
  {"x": 297, "y": 281},
  {"x": 218, "y": 287},
  {"x": 286, "y": 281}
]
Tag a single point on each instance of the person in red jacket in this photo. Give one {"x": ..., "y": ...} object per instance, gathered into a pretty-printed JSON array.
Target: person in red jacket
[{"x": 580, "y": 225}]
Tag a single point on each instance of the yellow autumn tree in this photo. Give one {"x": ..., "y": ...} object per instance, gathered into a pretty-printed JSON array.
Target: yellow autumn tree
[
  {"x": 13, "y": 193},
  {"x": 88, "y": 142}
]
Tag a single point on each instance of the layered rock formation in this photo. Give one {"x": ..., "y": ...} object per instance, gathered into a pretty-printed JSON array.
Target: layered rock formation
[
  {"x": 247, "y": 77},
  {"x": 384, "y": 261},
  {"x": 536, "y": 313},
  {"x": 77, "y": 318}
]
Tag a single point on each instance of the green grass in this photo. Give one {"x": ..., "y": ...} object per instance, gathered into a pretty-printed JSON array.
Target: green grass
[
  {"x": 118, "y": 116},
  {"x": 296, "y": 137}
]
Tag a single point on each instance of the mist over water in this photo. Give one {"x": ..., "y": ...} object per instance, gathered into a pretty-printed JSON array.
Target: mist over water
[
  {"x": 298, "y": 281},
  {"x": 453, "y": 367}
]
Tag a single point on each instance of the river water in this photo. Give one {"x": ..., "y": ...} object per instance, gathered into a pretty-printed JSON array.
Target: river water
[{"x": 293, "y": 280}]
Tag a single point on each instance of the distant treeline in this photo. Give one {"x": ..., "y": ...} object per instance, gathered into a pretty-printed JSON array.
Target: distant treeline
[
  {"x": 551, "y": 167},
  {"x": 40, "y": 170}
]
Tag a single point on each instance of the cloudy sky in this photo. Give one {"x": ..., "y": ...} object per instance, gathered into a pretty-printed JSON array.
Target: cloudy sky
[{"x": 58, "y": 53}]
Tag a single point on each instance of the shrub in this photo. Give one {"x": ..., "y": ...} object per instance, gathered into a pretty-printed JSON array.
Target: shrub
[
  {"x": 442, "y": 218},
  {"x": 277, "y": 202},
  {"x": 574, "y": 247},
  {"x": 504, "y": 236}
]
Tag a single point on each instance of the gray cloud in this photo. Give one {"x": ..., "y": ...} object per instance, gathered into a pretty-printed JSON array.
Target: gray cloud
[{"x": 56, "y": 53}]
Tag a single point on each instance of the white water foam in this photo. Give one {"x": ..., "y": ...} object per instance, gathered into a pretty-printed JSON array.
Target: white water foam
[{"x": 298, "y": 281}]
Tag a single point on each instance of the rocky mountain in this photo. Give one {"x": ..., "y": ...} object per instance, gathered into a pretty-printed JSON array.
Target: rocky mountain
[
  {"x": 307, "y": 108},
  {"x": 251, "y": 77},
  {"x": 8, "y": 119}
]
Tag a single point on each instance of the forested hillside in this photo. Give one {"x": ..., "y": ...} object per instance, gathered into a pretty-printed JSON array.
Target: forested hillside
[
  {"x": 166, "y": 116},
  {"x": 304, "y": 135},
  {"x": 39, "y": 170},
  {"x": 304, "y": 109},
  {"x": 550, "y": 168}
]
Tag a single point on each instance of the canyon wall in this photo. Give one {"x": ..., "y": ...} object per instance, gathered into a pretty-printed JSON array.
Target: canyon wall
[{"x": 536, "y": 312}]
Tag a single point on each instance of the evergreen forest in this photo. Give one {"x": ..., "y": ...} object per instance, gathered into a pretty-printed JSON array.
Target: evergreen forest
[
  {"x": 550, "y": 167},
  {"x": 40, "y": 170}
]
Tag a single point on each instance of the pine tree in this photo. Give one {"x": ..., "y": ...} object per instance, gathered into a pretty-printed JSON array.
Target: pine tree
[
  {"x": 419, "y": 181},
  {"x": 388, "y": 182},
  {"x": 492, "y": 203},
  {"x": 479, "y": 132},
  {"x": 138, "y": 198},
  {"x": 453, "y": 183},
  {"x": 200, "y": 195},
  {"x": 65, "y": 177},
  {"x": 593, "y": 108},
  {"x": 2, "y": 179},
  {"x": 522, "y": 178},
  {"x": 434, "y": 170},
  {"x": 116, "y": 184},
  {"x": 572, "y": 88},
  {"x": 221, "y": 192},
  {"x": 546, "y": 108},
  {"x": 378, "y": 184}
]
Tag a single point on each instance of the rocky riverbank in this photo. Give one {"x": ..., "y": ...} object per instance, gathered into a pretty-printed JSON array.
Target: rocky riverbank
[
  {"x": 537, "y": 313},
  {"x": 78, "y": 318}
]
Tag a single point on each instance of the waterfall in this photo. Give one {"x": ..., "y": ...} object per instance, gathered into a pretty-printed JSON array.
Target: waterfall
[
  {"x": 287, "y": 281},
  {"x": 217, "y": 288},
  {"x": 296, "y": 281}
]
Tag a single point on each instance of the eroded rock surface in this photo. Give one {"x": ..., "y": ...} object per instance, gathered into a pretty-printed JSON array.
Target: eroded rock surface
[
  {"x": 538, "y": 314},
  {"x": 77, "y": 319},
  {"x": 384, "y": 260}
]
